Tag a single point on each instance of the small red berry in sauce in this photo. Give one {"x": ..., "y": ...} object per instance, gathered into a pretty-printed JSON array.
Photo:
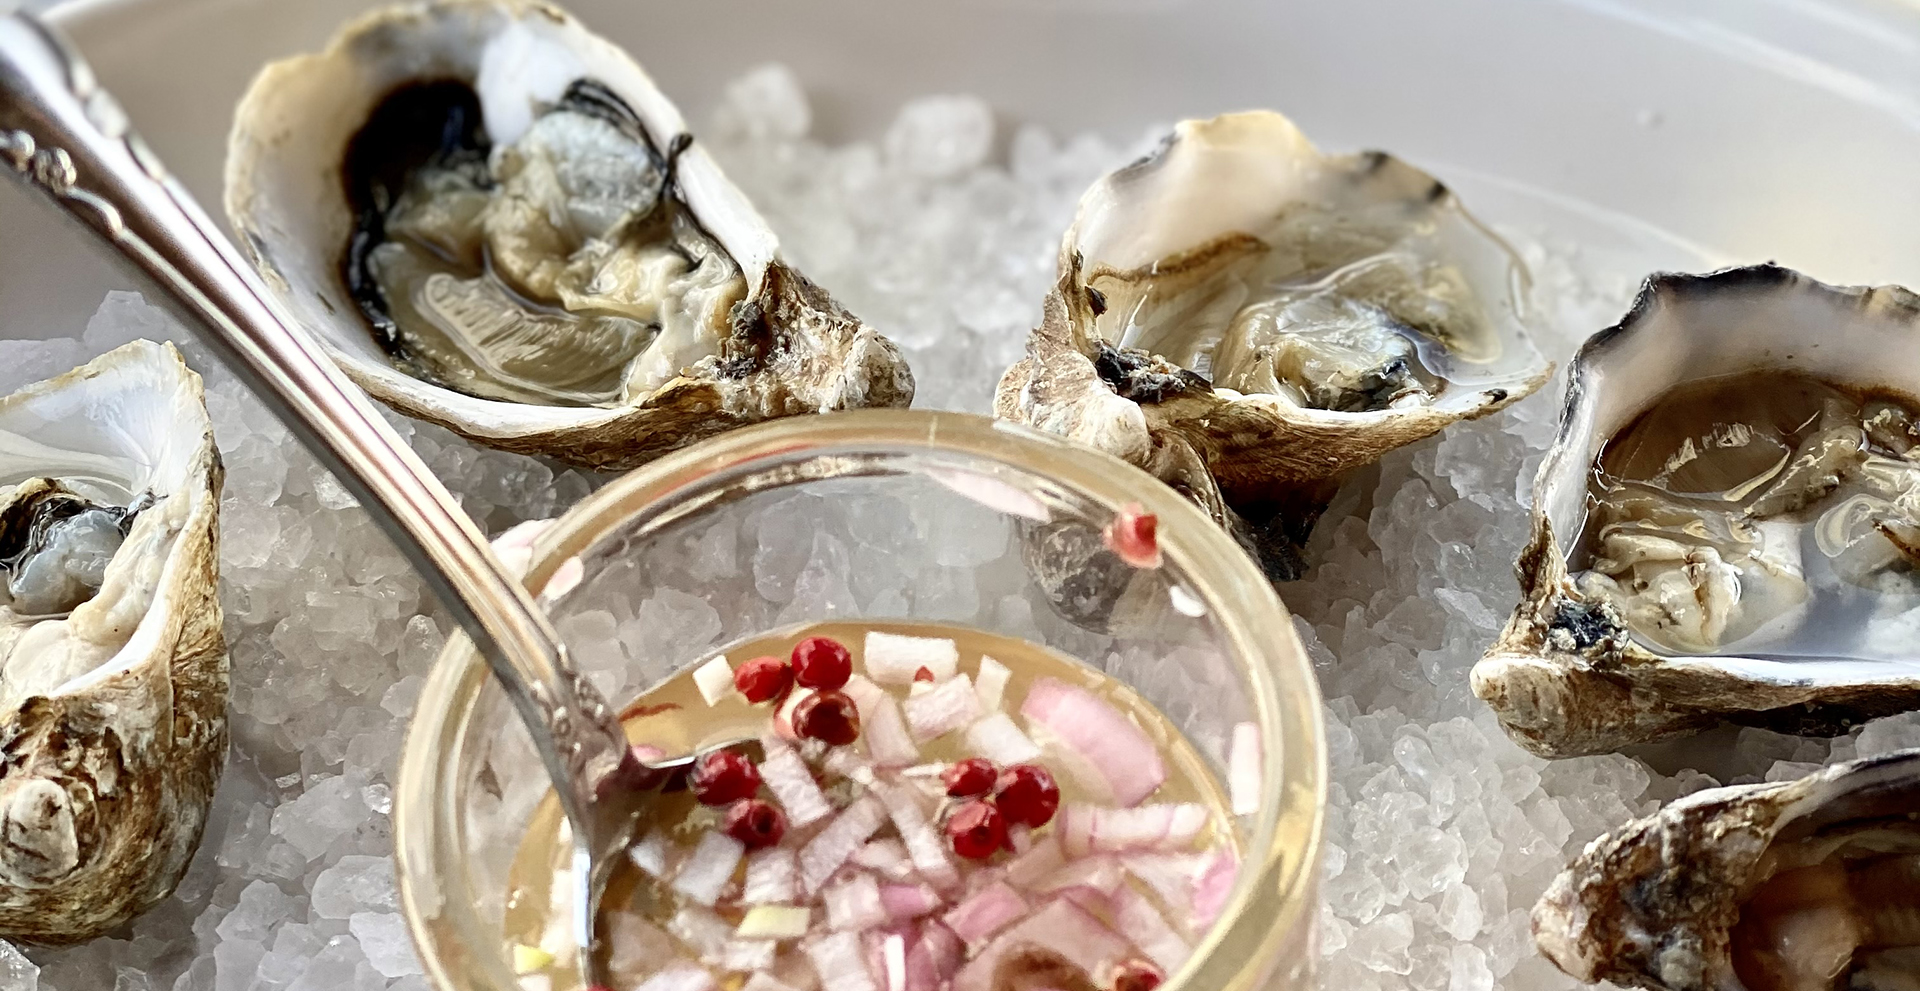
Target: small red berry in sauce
[
  {"x": 763, "y": 679},
  {"x": 821, "y": 662},
  {"x": 755, "y": 823},
  {"x": 970, "y": 777},
  {"x": 1133, "y": 536},
  {"x": 723, "y": 776},
  {"x": 923, "y": 674},
  {"x": 976, "y": 830},
  {"x": 1027, "y": 795},
  {"x": 1136, "y": 975},
  {"x": 828, "y": 716}
]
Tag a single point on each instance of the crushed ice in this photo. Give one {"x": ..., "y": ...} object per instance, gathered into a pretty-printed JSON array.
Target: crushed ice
[{"x": 1440, "y": 832}]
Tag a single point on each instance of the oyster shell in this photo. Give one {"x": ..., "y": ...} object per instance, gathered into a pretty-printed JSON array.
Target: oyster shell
[
  {"x": 494, "y": 221},
  {"x": 1721, "y": 529},
  {"x": 113, "y": 670},
  {"x": 1248, "y": 319},
  {"x": 1808, "y": 885}
]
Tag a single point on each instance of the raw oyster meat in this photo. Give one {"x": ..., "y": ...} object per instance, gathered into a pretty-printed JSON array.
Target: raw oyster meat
[
  {"x": 494, "y": 221},
  {"x": 1248, "y": 319},
  {"x": 1724, "y": 527},
  {"x": 1809, "y": 885},
  {"x": 113, "y": 669}
]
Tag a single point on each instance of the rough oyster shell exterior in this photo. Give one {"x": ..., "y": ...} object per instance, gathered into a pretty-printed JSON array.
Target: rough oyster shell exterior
[
  {"x": 1567, "y": 677},
  {"x": 106, "y": 778},
  {"x": 1653, "y": 903},
  {"x": 789, "y": 348},
  {"x": 1261, "y": 466}
]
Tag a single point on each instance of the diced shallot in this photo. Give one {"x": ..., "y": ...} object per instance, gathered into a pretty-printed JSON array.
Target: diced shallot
[
  {"x": 1139, "y": 921},
  {"x": 775, "y": 922},
  {"x": 990, "y": 683},
  {"x": 636, "y": 947},
  {"x": 680, "y": 975},
  {"x": 892, "y": 659},
  {"x": 925, "y": 845},
  {"x": 1094, "y": 829},
  {"x": 909, "y": 901},
  {"x": 933, "y": 958},
  {"x": 997, "y": 739},
  {"x": 1102, "y": 875},
  {"x": 888, "y": 741},
  {"x": 1171, "y": 876},
  {"x": 703, "y": 931},
  {"x": 709, "y": 869},
  {"x": 1029, "y": 868},
  {"x": 1243, "y": 771},
  {"x": 948, "y": 706},
  {"x": 746, "y": 955},
  {"x": 652, "y": 854},
  {"x": 1214, "y": 884},
  {"x": 791, "y": 781},
  {"x": 854, "y": 905},
  {"x": 831, "y": 847},
  {"x": 1105, "y": 751},
  {"x": 864, "y": 694},
  {"x": 886, "y": 857},
  {"x": 714, "y": 679},
  {"x": 773, "y": 877},
  {"x": 1061, "y": 926},
  {"x": 985, "y": 912},
  {"x": 894, "y": 952},
  {"x": 760, "y": 980},
  {"x": 841, "y": 962}
]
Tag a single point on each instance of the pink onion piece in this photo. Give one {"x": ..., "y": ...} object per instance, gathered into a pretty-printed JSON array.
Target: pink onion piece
[
  {"x": 831, "y": 847},
  {"x": 1139, "y": 921},
  {"x": 1060, "y": 927},
  {"x": 854, "y": 905},
  {"x": 985, "y": 912},
  {"x": 892, "y": 659},
  {"x": 1100, "y": 874},
  {"x": 933, "y": 957},
  {"x": 1171, "y": 876},
  {"x": 1090, "y": 828},
  {"x": 925, "y": 845},
  {"x": 885, "y": 857},
  {"x": 948, "y": 706},
  {"x": 909, "y": 901},
  {"x": 998, "y": 739},
  {"x": 773, "y": 877},
  {"x": 840, "y": 959},
  {"x": 893, "y": 953},
  {"x": 792, "y": 784},
  {"x": 709, "y": 869},
  {"x": 864, "y": 694},
  {"x": 680, "y": 975},
  {"x": 1100, "y": 736},
  {"x": 1027, "y": 869},
  {"x": 888, "y": 741},
  {"x": 1244, "y": 758},
  {"x": 1214, "y": 885}
]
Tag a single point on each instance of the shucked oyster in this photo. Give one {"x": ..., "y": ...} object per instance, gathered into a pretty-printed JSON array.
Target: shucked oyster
[
  {"x": 495, "y": 221},
  {"x": 113, "y": 671},
  {"x": 1247, "y": 319},
  {"x": 1725, "y": 526},
  {"x": 1810, "y": 885}
]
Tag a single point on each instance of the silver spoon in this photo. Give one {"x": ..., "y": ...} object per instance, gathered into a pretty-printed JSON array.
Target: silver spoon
[{"x": 66, "y": 137}]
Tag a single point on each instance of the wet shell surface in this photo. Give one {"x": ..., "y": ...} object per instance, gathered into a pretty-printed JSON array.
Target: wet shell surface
[
  {"x": 1248, "y": 318},
  {"x": 495, "y": 221},
  {"x": 113, "y": 670},
  {"x": 1808, "y": 885},
  {"x": 1723, "y": 527}
]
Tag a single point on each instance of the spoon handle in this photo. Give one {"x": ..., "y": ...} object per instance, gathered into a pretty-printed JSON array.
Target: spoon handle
[{"x": 66, "y": 137}]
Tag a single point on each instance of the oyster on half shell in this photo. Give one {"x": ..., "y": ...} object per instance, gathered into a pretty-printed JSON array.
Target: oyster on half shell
[
  {"x": 1248, "y": 318},
  {"x": 113, "y": 669},
  {"x": 1808, "y": 885},
  {"x": 1724, "y": 527},
  {"x": 495, "y": 221}
]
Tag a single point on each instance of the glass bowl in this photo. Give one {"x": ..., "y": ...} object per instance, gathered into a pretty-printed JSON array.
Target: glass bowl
[{"x": 880, "y": 515}]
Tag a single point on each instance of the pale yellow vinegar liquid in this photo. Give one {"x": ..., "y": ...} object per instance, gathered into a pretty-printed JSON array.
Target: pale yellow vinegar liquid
[{"x": 676, "y": 719}]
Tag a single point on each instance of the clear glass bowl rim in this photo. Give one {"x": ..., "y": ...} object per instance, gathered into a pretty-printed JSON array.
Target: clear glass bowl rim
[{"x": 1273, "y": 897}]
